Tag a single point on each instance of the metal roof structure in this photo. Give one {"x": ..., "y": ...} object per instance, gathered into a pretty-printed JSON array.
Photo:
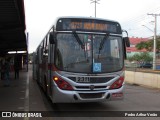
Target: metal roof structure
[{"x": 12, "y": 26}]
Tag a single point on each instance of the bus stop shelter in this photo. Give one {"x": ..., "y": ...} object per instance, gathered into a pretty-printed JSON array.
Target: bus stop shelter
[
  {"x": 12, "y": 26},
  {"x": 13, "y": 35}
]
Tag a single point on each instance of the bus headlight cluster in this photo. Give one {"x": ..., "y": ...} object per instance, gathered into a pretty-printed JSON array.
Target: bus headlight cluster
[
  {"x": 62, "y": 84},
  {"x": 118, "y": 83}
]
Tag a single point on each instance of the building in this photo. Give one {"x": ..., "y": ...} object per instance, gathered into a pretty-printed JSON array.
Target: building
[{"x": 133, "y": 42}]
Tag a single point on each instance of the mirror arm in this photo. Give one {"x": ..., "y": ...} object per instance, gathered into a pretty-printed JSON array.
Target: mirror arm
[{"x": 125, "y": 32}]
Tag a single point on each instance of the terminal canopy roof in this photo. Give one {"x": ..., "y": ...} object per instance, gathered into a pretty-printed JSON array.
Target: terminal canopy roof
[{"x": 12, "y": 26}]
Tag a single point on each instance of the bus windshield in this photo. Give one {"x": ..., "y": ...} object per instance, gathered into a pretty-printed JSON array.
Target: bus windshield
[{"x": 88, "y": 53}]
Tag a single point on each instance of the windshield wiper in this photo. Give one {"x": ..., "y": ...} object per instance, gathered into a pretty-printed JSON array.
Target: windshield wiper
[
  {"x": 78, "y": 40},
  {"x": 102, "y": 43}
]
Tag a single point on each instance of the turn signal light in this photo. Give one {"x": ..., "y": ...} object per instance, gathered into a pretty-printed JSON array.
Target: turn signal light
[
  {"x": 118, "y": 83},
  {"x": 55, "y": 78},
  {"x": 62, "y": 84}
]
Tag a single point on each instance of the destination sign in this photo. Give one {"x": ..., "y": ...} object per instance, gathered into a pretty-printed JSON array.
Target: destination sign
[{"x": 89, "y": 25}]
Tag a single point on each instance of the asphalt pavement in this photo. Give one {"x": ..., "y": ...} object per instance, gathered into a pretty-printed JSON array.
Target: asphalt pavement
[
  {"x": 13, "y": 96},
  {"x": 22, "y": 95}
]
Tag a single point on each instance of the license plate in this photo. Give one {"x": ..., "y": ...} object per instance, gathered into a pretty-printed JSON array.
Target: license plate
[{"x": 83, "y": 79}]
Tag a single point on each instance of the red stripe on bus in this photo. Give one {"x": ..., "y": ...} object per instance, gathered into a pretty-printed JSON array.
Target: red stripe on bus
[{"x": 52, "y": 67}]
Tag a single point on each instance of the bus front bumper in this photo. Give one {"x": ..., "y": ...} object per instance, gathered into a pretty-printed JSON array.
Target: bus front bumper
[{"x": 64, "y": 96}]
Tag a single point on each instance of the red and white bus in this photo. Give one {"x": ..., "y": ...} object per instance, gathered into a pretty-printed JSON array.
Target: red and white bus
[{"x": 81, "y": 60}]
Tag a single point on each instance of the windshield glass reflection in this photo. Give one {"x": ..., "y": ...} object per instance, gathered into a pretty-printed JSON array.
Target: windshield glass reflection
[{"x": 88, "y": 53}]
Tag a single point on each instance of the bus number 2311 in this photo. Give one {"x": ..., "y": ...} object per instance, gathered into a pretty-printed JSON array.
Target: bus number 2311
[{"x": 83, "y": 79}]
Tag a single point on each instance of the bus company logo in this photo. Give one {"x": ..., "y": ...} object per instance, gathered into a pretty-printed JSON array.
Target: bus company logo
[
  {"x": 6, "y": 114},
  {"x": 91, "y": 87}
]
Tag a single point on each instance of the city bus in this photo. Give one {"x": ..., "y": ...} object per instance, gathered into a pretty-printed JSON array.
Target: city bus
[{"x": 81, "y": 59}]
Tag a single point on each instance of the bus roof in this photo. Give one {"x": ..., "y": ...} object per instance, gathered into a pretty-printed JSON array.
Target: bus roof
[{"x": 84, "y": 17}]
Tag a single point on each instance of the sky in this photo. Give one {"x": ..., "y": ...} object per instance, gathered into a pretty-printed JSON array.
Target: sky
[{"x": 131, "y": 14}]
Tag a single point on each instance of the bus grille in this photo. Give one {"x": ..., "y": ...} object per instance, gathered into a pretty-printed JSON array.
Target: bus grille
[
  {"x": 80, "y": 88},
  {"x": 94, "y": 79},
  {"x": 91, "y": 95}
]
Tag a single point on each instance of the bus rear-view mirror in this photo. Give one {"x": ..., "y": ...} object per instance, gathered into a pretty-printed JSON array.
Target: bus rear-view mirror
[{"x": 127, "y": 42}]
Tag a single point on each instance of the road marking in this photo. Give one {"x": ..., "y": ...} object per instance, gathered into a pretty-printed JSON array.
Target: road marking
[{"x": 26, "y": 103}]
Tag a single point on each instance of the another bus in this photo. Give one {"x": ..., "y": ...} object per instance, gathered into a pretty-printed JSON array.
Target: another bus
[{"x": 81, "y": 60}]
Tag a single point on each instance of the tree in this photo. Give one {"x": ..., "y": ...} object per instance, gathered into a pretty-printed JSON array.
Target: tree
[
  {"x": 141, "y": 45},
  {"x": 148, "y": 45},
  {"x": 141, "y": 57},
  {"x": 146, "y": 57}
]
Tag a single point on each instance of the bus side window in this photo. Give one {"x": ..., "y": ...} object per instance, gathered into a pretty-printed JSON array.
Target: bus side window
[
  {"x": 51, "y": 38},
  {"x": 46, "y": 47},
  {"x": 41, "y": 52}
]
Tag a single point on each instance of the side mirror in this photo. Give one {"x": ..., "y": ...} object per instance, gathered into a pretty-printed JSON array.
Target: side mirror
[
  {"x": 127, "y": 42},
  {"x": 52, "y": 38}
]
